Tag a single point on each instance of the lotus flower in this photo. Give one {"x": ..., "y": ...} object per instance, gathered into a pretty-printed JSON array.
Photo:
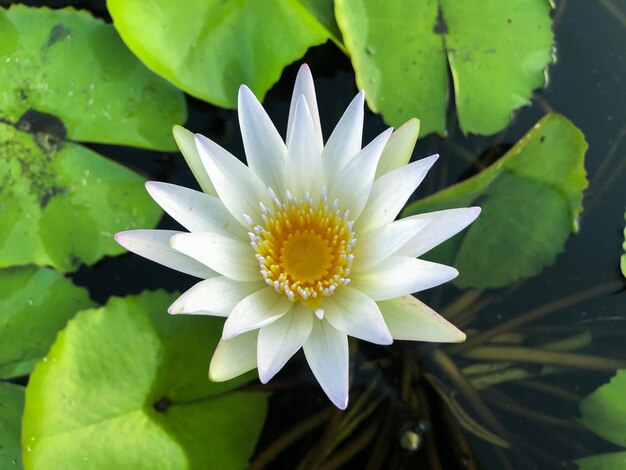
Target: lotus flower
[{"x": 301, "y": 249}]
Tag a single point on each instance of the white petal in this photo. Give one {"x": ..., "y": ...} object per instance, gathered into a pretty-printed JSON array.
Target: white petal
[
  {"x": 238, "y": 187},
  {"x": 304, "y": 156},
  {"x": 281, "y": 340},
  {"x": 196, "y": 211},
  {"x": 443, "y": 225},
  {"x": 255, "y": 311},
  {"x": 399, "y": 149},
  {"x": 345, "y": 141},
  {"x": 265, "y": 149},
  {"x": 399, "y": 275},
  {"x": 304, "y": 86},
  {"x": 376, "y": 245},
  {"x": 355, "y": 314},
  {"x": 233, "y": 357},
  {"x": 326, "y": 351},
  {"x": 187, "y": 144},
  {"x": 410, "y": 319},
  {"x": 390, "y": 193},
  {"x": 353, "y": 185},
  {"x": 155, "y": 246},
  {"x": 216, "y": 296},
  {"x": 227, "y": 256}
]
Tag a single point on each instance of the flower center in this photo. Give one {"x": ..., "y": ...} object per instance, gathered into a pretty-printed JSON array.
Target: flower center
[{"x": 304, "y": 248}]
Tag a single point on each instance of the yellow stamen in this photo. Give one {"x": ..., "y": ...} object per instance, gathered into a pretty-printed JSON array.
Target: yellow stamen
[{"x": 304, "y": 249}]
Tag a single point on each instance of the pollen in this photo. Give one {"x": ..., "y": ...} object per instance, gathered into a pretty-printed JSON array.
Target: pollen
[{"x": 304, "y": 247}]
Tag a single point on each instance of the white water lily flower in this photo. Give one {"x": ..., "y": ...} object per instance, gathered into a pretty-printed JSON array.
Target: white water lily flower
[{"x": 300, "y": 248}]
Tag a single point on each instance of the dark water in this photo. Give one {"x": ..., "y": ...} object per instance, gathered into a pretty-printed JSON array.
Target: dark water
[{"x": 586, "y": 85}]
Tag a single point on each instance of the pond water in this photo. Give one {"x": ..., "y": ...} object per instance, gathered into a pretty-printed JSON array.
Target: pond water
[{"x": 419, "y": 404}]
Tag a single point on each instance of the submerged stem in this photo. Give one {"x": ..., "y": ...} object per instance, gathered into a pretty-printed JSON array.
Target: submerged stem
[
  {"x": 461, "y": 303},
  {"x": 381, "y": 445},
  {"x": 550, "y": 390},
  {"x": 466, "y": 389},
  {"x": 353, "y": 448},
  {"x": 320, "y": 451},
  {"x": 544, "y": 356},
  {"x": 534, "y": 314},
  {"x": 289, "y": 438},
  {"x": 506, "y": 403}
]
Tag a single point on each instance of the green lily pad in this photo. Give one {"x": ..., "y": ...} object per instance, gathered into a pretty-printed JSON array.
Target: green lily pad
[
  {"x": 70, "y": 65},
  {"x": 604, "y": 410},
  {"x": 623, "y": 258},
  {"x": 497, "y": 52},
  {"x": 67, "y": 77},
  {"x": 126, "y": 386},
  {"x": 61, "y": 203},
  {"x": 324, "y": 11},
  {"x": 531, "y": 199},
  {"x": 35, "y": 304},
  {"x": 209, "y": 49},
  {"x": 11, "y": 407},
  {"x": 610, "y": 461}
]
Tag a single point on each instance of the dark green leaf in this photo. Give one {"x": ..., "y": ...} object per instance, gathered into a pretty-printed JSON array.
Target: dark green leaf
[
  {"x": 209, "y": 49},
  {"x": 531, "y": 199},
  {"x": 623, "y": 258},
  {"x": 126, "y": 386},
  {"x": 610, "y": 461},
  {"x": 604, "y": 410},
  {"x": 35, "y": 304},
  {"x": 11, "y": 407}
]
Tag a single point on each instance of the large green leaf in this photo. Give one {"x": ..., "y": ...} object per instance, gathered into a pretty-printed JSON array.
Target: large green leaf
[
  {"x": 497, "y": 52},
  {"x": 61, "y": 203},
  {"x": 604, "y": 410},
  {"x": 623, "y": 258},
  {"x": 73, "y": 66},
  {"x": 11, "y": 406},
  {"x": 35, "y": 304},
  {"x": 531, "y": 199},
  {"x": 126, "y": 386},
  {"x": 610, "y": 461},
  {"x": 209, "y": 48}
]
